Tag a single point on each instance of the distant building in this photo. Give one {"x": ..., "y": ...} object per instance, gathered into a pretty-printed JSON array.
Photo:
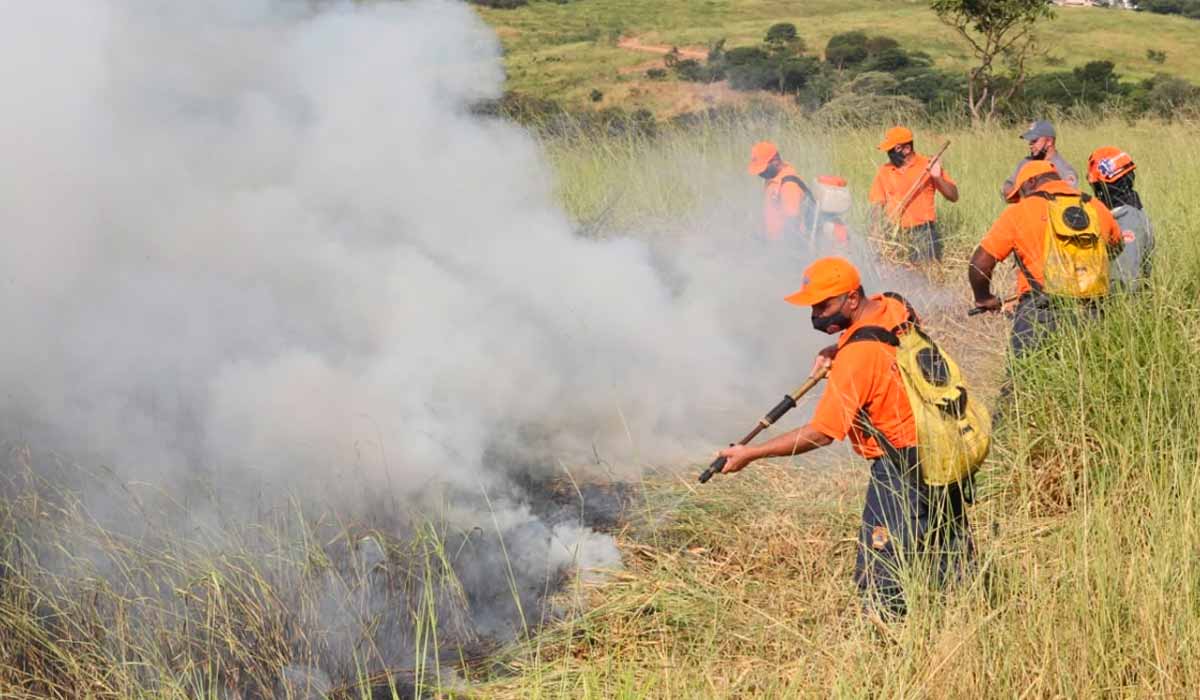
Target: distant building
[{"x": 1121, "y": 4}]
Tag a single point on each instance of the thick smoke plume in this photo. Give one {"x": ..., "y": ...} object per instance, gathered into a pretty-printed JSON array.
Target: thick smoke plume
[
  {"x": 272, "y": 249},
  {"x": 245, "y": 238}
]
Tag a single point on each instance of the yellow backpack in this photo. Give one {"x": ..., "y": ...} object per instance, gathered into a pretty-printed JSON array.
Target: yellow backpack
[
  {"x": 953, "y": 429},
  {"x": 1076, "y": 254}
]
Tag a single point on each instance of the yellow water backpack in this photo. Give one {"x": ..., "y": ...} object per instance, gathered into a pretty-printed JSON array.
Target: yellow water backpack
[
  {"x": 1075, "y": 252},
  {"x": 953, "y": 428}
]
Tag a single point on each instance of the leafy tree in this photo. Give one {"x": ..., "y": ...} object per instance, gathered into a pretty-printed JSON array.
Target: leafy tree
[
  {"x": 782, "y": 40},
  {"x": 846, "y": 49},
  {"x": 1000, "y": 35}
]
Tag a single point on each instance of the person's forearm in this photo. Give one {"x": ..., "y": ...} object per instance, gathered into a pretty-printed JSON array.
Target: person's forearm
[
  {"x": 949, "y": 190},
  {"x": 979, "y": 274},
  {"x": 795, "y": 442}
]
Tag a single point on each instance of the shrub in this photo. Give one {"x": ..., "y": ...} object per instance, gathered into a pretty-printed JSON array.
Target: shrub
[
  {"x": 1165, "y": 95},
  {"x": 795, "y": 73},
  {"x": 743, "y": 55},
  {"x": 1155, "y": 56},
  {"x": 888, "y": 60},
  {"x": 879, "y": 44},
  {"x": 783, "y": 32},
  {"x": 846, "y": 49},
  {"x": 693, "y": 71},
  {"x": 656, "y": 73},
  {"x": 756, "y": 75},
  {"x": 862, "y": 110},
  {"x": 596, "y": 95},
  {"x": 782, "y": 39},
  {"x": 873, "y": 84}
]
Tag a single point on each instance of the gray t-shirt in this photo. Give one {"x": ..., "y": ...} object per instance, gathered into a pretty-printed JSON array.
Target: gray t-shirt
[
  {"x": 1132, "y": 266},
  {"x": 1065, "y": 171}
]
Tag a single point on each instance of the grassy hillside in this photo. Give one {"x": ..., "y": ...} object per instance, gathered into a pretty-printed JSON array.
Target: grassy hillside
[
  {"x": 564, "y": 51},
  {"x": 1088, "y": 581}
]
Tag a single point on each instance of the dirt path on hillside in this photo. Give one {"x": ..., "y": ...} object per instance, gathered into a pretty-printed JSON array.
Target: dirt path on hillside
[{"x": 633, "y": 44}]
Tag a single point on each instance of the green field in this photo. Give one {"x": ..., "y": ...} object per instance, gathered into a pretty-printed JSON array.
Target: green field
[{"x": 564, "y": 51}]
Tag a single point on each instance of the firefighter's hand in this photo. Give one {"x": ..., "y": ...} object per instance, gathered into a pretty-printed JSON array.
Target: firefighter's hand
[
  {"x": 935, "y": 169},
  {"x": 823, "y": 361},
  {"x": 992, "y": 303},
  {"x": 738, "y": 457}
]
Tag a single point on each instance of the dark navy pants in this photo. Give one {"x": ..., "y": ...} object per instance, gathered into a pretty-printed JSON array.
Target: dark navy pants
[
  {"x": 908, "y": 526},
  {"x": 923, "y": 241},
  {"x": 1038, "y": 316}
]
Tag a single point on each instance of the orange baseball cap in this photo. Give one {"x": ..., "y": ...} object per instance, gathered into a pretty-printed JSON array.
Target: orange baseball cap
[
  {"x": 761, "y": 156},
  {"x": 894, "y": 137},
  {"x": 1109, "y": 164},
  {"x": 1030, "y": 170},
  {"x": 824, "y": 279}
]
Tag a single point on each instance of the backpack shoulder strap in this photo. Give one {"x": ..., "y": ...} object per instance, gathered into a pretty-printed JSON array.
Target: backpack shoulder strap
[
  {"x": 799, "y": 183},
  {"x": 1033, "y": 283},
  {"x": 878, "y": 334}
]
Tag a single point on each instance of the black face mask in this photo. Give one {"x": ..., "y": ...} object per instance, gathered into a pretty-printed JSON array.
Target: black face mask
[
  {"x": 898, "y": 159},
  {"x": 834, "y": 323}
]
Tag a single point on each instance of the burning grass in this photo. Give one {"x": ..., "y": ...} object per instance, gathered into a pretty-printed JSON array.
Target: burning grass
[{"x": 295, "y": 604}]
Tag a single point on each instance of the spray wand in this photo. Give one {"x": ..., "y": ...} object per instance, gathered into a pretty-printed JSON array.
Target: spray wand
[
  {"x": 1003, "y": 303},
  {"x": 787, "y": 404}
]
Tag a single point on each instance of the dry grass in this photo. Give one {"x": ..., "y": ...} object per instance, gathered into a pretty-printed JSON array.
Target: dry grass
[{"x": 1087, "y": 582}]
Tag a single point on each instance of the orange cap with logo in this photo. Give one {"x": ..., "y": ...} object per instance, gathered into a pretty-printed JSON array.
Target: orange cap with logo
[
  {"x": 760, "y": 157},
  {"x": 895, "y": 136},
  {"x": 1109, "y": 164},
  {"x": 1030, "y": 170},
  {"x": 824, "y": 279}
]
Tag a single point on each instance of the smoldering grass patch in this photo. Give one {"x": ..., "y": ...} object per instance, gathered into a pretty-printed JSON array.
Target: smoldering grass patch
[{"x": 298, "y": 601}]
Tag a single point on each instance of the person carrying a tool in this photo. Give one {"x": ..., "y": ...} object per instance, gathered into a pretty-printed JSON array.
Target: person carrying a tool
[
  {"x": 870, "y": 400},
  {"x": 904, "y": 192},
  {"x": 1061, "y": 241},
  {"x": 1111, "y": 173},
  {"x": 784, "y": 194},
  {"x": 1042, "y": 146}
]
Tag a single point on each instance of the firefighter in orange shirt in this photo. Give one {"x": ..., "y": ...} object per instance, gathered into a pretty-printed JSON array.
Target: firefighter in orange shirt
[
  {"x": 1021, "y": 232},
  {"x": 902, "y": 517},
  {"x": 904, "y": 192},
  {"x": 784, "y": 195}
]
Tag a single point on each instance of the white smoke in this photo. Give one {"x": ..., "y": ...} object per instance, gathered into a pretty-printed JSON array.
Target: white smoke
[
  {"x": 271, "y": 249},
  {"x": 245, "y": 237}
]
